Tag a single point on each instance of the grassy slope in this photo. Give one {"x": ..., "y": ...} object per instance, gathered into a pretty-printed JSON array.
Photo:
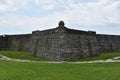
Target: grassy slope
[
  {"x": 45, "y": 71},
  {"x": 25, "y": 55},
  {"x": 102, "y": 56},
  {"x": 21, "y": 55}
]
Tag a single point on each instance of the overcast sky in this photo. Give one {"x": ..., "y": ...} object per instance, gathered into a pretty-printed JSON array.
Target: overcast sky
[{"x": 25, "y": 16}]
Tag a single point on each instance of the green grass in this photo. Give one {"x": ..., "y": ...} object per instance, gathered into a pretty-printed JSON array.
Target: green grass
[
  {"x": 25, "y": 55},
  {"x": 45, "y": 71},
  {"x": 10, "y": 70},
  {"x": 21, "y": 55},
  {"x": 102, "y": 56}
]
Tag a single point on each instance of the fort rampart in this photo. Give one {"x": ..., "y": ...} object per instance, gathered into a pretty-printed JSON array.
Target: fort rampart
[{"x": 61, "y": 43}]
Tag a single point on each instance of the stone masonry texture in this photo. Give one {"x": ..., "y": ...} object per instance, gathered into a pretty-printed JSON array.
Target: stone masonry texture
[{"x": 61, "y": 43}]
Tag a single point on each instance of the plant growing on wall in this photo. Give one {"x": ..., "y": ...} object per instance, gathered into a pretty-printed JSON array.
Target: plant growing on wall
[
  {"x": 90, "y": 47},
  {"x": 20, "y": 47},
  {"x": 9, "y": 44},
  {"x": 35, "y": 48},
  {"x": 80, "y": 47},
  {"x": 48, "y": 44}
]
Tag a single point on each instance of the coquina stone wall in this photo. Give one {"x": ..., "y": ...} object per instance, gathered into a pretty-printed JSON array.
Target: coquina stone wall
[
  {"x": 3, "y": 42},
  {"x": 108, "y": 43},
  {"x": 18, "y": 42},
  {"x": 61, "y": 43}
]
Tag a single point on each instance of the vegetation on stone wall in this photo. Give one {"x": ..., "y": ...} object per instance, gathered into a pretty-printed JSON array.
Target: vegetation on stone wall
[
  {"x": 104, "y": 46},
  {"x": 9, "y": 43},
  {"x": 47, "y": 44},
  {"x": 80, "y": 47},
  {"x": 35, "y": 48},
  {"x": 90, "y": 47},
  {"x": 20, "y": 45}
]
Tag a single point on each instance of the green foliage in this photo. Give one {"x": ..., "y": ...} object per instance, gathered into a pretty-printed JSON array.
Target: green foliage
[
  {"x": 90, "y": 47},
  {"x": 48, "y": 44},
  {"x": 20, "y": 47},
  {"x": 21, "y": 55},
  {"x": 104, "y": 46},
  {"x": 46, "y": 71},
  {"x": 9, "y": 43},
  {"x": 35, "y": 48},
  {"x": 103, "y": 56},
  {"x": 80, "y": 47}
]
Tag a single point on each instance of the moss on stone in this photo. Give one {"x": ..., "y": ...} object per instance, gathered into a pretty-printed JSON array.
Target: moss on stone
[
  {"x": 104, "y": 46},
  {"x": 48, "y": 44},
  {"x": 20, "y": 45},
  {"x": 90, "y": 47},
  {"x": 80, "y": 47},
  {"x": 9, "y": 43},
  {"x": 35, "y": 48}
]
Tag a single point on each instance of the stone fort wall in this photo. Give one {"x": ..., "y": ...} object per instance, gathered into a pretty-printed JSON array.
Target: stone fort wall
[
  {"x": 18, "y": 42},
  {"x": 108, "y": 43},
  {"x": 3, "y": 42},
  {"x": 61, "y": 43}
]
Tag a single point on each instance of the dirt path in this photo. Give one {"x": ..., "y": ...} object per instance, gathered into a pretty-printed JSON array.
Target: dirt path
[{"x": 116, "y": 59}]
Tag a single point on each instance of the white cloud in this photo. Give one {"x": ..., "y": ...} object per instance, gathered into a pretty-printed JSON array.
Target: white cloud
[
  {"x": 9, "y": 2},
  {"x": 44, "y": 1},
  {"x": 46, "y": 4},
  {"x": 97, "y": 13},
  {"x": 8, "y": 5},
  {"x": 3, "y": 7},
  {"x": 48, "y": 7},
  {"x": 21, "y": 23},
  {"x": 94, "y": 13}
]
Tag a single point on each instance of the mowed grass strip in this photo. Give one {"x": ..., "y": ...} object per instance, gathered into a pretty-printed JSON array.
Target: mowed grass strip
[
  {"x": 21, "y": 55},
  {"x": 46, "y": 71}
]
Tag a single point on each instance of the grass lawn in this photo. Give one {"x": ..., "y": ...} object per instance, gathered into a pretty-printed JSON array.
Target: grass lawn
[
  {"x": 45, "y": 71},
  {"x": 102, "y": 56},
  {"x": 21, "y": 55},
  {"x": 10, "y": 70}
]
